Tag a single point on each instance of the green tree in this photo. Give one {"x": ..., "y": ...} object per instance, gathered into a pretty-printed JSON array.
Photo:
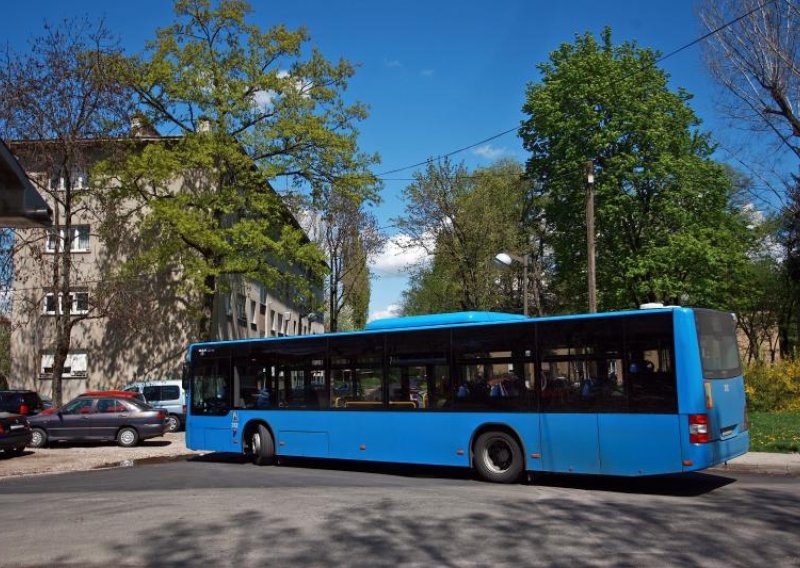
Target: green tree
[
  {"x": 463, "y": 220},
  {"x": 248, "y": 107},
  {"x": 350, "y": 235},
  {"x": 665, "y": 227}
]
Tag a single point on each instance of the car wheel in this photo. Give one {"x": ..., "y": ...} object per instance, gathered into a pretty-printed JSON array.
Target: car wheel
[
  {"x": 173, "y": 423},
  {"x": 263, "y": 446},
  {"x": 128, "y": 437},
  {"x": 16, "y": 451},
  {"x": 498, "y": 457},
  {"x": 38, "y": 438}
]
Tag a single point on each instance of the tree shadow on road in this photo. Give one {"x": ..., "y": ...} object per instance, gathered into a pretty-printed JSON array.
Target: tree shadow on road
[{"x": 496, "y": 528}]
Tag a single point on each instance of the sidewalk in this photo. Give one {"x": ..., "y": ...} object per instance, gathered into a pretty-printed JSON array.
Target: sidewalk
[
  {"x": 762, "y": 462},
  {"x": 73, "y": 457}
]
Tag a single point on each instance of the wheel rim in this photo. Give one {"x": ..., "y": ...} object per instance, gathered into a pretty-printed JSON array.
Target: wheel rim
[
  {"x": 172, "y": 424},
  {"x": 498, "y": 455},
  {"x": 127, "y": 437},
  {"x": 37, "y": 438},
  {"x": 256, "y": 439}
]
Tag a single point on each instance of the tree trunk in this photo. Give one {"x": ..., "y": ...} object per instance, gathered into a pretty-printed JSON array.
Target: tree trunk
[{"x": 207, "y": 315}]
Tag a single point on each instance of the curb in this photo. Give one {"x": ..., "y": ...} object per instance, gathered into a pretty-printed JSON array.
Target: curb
[{"x": 787, "y": 469}]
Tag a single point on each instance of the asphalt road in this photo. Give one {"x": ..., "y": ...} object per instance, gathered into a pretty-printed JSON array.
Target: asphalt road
[{"x": 219, "y": 511}]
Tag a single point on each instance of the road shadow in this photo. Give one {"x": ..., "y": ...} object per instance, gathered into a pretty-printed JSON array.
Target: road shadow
[
  {"x": 682, "y": 485},
  {"x": 92, "y": 444},
  {"x": 7, "y": 456},
  {"x": 679, "y": 485},
  {"x": 491, "y": 529}
]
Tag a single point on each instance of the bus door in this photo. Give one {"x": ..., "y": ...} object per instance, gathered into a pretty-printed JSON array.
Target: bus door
[
  {"x": 211, "y": 403},
  {"x": 567, "y": 425},
  {"x": 640, "y": 432}
]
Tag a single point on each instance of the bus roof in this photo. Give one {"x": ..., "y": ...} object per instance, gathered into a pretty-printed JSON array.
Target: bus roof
[{"x": 453, "y": 318}]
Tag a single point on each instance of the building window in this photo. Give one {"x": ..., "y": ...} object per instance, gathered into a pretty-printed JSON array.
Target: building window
[
  {"x": 273, "y": 323},
  {"x": 76, "y": 364},
  {"x": 281, "y": 329},
  {"x": 79, "y": 179},
  {"x": 80, "y": 239},
  {"x": 253, "y": 314},
  {"x": 78, "y": 303},
  {"x": 50, "y": 304}
]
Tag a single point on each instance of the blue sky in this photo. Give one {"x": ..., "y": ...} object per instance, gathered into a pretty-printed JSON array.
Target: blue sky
[{"x": 437, "y": 75}]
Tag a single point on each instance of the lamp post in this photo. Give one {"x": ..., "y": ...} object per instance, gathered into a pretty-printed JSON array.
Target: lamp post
[
  {"x": 590, "y": 269},
  {"x": 505, "y": 260}
]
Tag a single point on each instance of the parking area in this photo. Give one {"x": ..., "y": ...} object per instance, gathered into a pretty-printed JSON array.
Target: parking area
[{"x": 63, "y": 457}]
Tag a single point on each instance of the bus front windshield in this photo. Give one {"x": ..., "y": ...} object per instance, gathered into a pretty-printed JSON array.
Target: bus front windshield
[
  {"x": 719, "y": 351},
  {"x": 211, "y": 387}
]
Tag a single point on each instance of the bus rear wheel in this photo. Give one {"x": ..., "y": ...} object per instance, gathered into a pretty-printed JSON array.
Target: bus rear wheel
[
  {"x": 497, "y": 457},
  {"x": 262, "y": 445}
]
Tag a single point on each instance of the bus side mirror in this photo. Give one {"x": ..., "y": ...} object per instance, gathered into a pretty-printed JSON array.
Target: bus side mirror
[{"x": 186, "y": 375}]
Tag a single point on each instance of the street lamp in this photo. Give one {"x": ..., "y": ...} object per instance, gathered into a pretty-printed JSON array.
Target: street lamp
[
  {"x": 505, "y": 260},
  {"x": 590, "y": 244}
]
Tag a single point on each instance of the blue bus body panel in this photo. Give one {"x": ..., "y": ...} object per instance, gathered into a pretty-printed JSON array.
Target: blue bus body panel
[
  {"x": 687, "y": 355},
  {"x": 703, "y": 456},
  {"x": 570, "y": 443},
  {"x": 426, "y": 438},
  {"x": 639, "y": 444},
  {"x": 727, "y": 402}
]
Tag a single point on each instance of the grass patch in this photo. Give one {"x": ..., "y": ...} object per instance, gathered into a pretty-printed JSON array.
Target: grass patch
[{"x": 775, "y": 432}]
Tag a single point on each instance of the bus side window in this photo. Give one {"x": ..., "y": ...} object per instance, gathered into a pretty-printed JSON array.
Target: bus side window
[
  {"x": 649, "y": 363},
  {"x": 581, "y": 366}
]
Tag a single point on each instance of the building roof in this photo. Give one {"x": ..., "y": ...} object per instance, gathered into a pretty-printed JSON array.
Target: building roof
[{"x": 21, "y": 206}]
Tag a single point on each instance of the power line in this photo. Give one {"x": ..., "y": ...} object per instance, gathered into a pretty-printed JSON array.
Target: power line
[{"x": 655, "y": 62}]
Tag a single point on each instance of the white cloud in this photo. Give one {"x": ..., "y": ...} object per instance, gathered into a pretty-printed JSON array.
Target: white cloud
[
  {"x": 391, "y": 311},
  {"x": 490, "y": 152},
  {"x": 427, "y": 72},
  {"x": 392, "y": 63},
  {"x": 263, "y": 99},
  {"x": 398, "y": 256}
]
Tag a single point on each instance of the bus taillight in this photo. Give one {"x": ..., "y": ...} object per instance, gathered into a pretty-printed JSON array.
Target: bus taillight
[{"x": 698, "y": 429}]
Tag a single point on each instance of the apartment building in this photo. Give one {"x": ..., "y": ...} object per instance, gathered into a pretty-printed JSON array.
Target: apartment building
[{"x": 122, "y": 331}]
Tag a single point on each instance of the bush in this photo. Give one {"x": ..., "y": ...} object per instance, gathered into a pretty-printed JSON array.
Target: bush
[{"x": 774, "y": 387}]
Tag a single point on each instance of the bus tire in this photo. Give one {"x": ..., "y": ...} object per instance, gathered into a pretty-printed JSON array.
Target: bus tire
[
  {"x": 497, "y": 457},
  {"x": 262, "y": 445}
]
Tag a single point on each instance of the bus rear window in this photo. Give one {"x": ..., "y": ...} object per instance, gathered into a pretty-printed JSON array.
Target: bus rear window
[{"x": 719, "y": 351}]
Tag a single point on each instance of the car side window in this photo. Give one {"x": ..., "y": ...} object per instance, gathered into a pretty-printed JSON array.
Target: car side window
[
  {"x": 110, "y": 405},
  {"x": 152, "y": 394},
  {"x": 79, "y": 406}
]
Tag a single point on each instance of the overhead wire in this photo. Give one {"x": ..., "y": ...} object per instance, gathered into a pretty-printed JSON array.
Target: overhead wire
[{"x": 656, "y": 61}]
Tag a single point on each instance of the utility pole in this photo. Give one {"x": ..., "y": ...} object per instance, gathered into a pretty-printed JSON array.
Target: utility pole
[{"x": 590, "y": 236}]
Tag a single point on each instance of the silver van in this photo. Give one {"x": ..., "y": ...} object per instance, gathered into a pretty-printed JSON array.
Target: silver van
[{"x": 166, "y": 395}]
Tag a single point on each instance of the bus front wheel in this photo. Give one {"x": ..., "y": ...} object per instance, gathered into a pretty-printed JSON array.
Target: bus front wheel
[
  {"x": 262, "y": 446},
  {"x": 498, "y": 457}
]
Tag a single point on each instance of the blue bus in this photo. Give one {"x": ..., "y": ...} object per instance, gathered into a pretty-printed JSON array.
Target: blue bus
[{"x": 628, "y": 393}]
